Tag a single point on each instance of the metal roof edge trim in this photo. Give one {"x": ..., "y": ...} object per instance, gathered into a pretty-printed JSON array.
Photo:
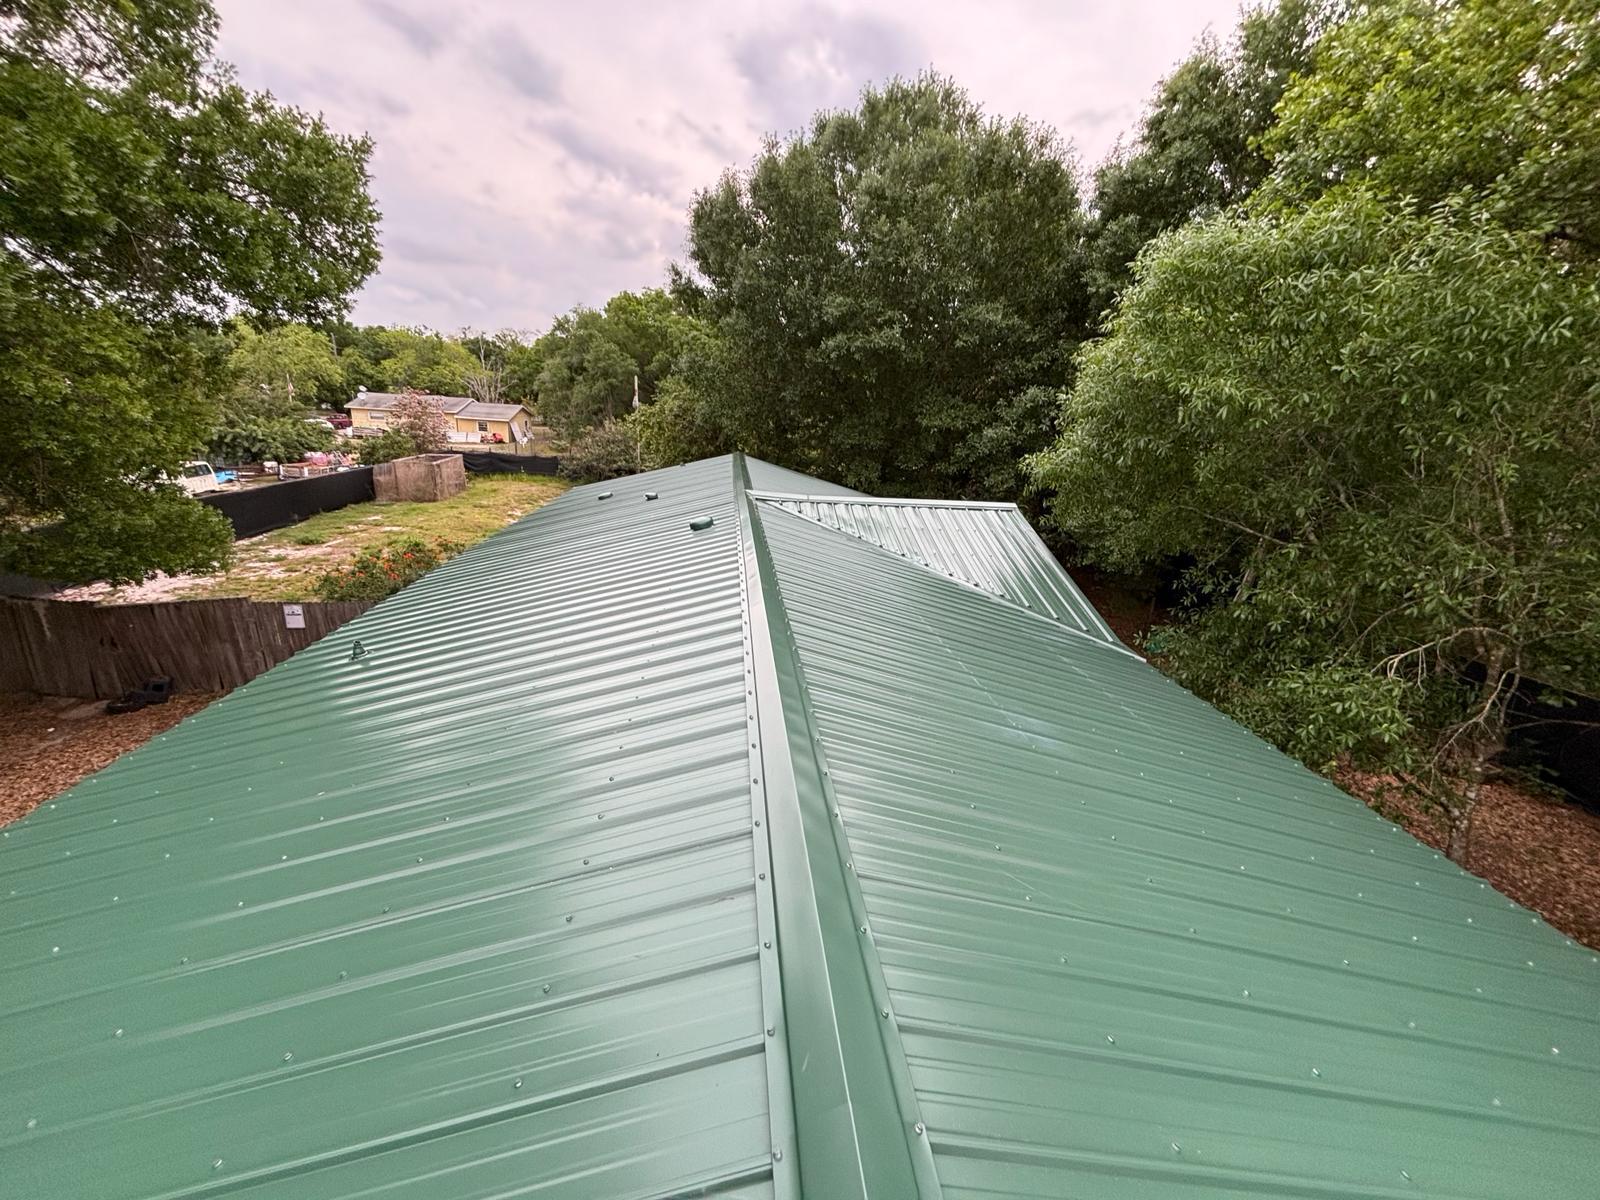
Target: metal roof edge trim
[
  {"x": 1109, "y": 641},
  {"x": 1066, "y": 578},
  {"x": 853, "y": 1068}
]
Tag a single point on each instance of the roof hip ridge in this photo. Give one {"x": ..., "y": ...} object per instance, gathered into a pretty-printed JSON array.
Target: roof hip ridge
[{"x": 857, "y": 1129}]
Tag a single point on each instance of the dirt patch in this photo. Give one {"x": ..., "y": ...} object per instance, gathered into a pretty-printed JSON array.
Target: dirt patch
[
  {"x": 1130, "y": 616},
  {"x": 1543, "y": 853},
  {"x": 48, "y": 743}
]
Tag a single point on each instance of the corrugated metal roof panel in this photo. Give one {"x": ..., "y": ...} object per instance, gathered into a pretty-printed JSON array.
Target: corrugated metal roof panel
[
  {"x": 670, "y": 842},
  {"x": 475, "y": 915},
  {"x": 1132, "y": 951},
  {"x": 990, "y": 546}
]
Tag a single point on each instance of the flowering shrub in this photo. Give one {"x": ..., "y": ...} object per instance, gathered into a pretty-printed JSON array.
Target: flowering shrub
[{"x": 383, "y": 570}]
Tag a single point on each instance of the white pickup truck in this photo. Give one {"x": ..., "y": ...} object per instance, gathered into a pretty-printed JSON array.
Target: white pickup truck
[{"x": 197, "y": 478}]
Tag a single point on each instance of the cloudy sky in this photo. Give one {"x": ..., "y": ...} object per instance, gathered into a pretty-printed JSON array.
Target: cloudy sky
[{"x": 532, "y": 156}]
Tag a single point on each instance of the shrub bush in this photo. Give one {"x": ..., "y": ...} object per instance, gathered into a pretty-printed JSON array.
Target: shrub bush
[
  {"x": 607, "y": 451},
  {"x": 383, "y": 570},
  {"x": 386, "y": 447}
]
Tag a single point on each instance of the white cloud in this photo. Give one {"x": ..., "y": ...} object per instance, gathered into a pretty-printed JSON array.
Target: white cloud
[{"x": 533, "y": 157}]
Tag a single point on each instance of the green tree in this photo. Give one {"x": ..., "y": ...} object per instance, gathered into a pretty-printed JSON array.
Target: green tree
[
  {"x": 1492, "y": 102},
  {"x": 423, "y": 361},
  {"x": 589, "y": 359},
  {"x": 144, "y": 195},
  {"x": 899, "y": 291},
  {"x": 1375, "y": 435},
  {"x": 502, "y": 373},
  {"x": 293, "y": 364},
  {"x": 1197, "y": 150}
]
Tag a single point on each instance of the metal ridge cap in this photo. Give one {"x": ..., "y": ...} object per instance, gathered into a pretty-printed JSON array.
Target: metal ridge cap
[
  {"x": 857, "y": 1134},
  {"x": 894, "y": 501}
]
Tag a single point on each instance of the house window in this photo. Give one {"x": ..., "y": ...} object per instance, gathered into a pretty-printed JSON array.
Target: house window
[
  {"x": 483, "y": 427},
  {"x": 378, "y": 418}
]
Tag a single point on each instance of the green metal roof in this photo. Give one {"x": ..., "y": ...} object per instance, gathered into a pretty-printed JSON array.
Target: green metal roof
[{"x": 757, "y": 859}]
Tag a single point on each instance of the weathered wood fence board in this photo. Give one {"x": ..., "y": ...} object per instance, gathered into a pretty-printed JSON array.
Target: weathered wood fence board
[{"x": 61, "y": 648}]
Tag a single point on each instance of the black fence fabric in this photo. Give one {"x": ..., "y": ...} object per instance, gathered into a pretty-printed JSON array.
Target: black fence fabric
[
  {"x": 484, "y": 463},
  {"x": 263, "y": 509}
]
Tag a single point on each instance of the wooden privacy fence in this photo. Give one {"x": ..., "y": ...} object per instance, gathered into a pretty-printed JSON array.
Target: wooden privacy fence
[{"x": 62, "y": 648}]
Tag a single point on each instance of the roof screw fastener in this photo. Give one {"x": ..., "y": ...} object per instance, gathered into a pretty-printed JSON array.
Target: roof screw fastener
[
  {"x": 516, "y": 1083},
  {"x": 357, "y": 651},
  {"x": 920, "y": 1128},
  {"x": 651, "y": 495},
  {"x": 605, "y": 495},
  {"x": 770, "y": 1030},
  {"x": 699, "y": 523}
]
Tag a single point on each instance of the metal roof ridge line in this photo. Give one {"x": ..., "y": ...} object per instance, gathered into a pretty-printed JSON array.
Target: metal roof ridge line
[
  {"x": 857, "y": 1132},
  {"x": 887, "y": 501}
]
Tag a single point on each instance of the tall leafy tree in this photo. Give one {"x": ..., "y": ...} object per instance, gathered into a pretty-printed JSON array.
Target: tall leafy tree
[
  {"x": 590, "y": 358},
  {"x": 423, "y": 361},
  {"x": 144, "y": 195},
  {"x": 1491, "y": 103},
  {"x": 897, "y": 294},
  {"x": 1198, "y": 148},
  {"x": 1375, "y": 434},
  {"x": 269, "y": 382}
]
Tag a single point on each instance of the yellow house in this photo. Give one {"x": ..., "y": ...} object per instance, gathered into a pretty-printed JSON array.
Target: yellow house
[{"x": 471, "y": 421}]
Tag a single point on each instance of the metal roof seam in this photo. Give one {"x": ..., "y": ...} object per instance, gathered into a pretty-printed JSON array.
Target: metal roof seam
[{"x": 857, "y": 1126}]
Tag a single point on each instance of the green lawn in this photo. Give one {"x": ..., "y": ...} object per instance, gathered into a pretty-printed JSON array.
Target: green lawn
[{"x": 284, "y": 565}]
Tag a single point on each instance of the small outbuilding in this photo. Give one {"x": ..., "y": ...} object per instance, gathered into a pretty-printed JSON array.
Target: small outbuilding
[{"x": 830, "y": 847}]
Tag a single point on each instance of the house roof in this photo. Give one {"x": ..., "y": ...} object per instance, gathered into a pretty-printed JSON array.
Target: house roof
[
  {"x": 799, "y": 866},
  {"x": 383, "y": 400},
  {"x": 479, "y": 411}
]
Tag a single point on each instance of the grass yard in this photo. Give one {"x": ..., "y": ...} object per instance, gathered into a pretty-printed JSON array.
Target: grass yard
[{"x": 285, "y": 564}]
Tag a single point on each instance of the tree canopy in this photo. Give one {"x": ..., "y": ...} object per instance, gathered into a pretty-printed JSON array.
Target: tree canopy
[
  {"x": 589, "y": 359},
  {"x": 897, "y": 293},
  {"x": 145, "y": 197},
  {"x": 1198, "y": 148},
  {"x": 1489, "y": 102},
  {"x": 1359, "y": 413}
]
